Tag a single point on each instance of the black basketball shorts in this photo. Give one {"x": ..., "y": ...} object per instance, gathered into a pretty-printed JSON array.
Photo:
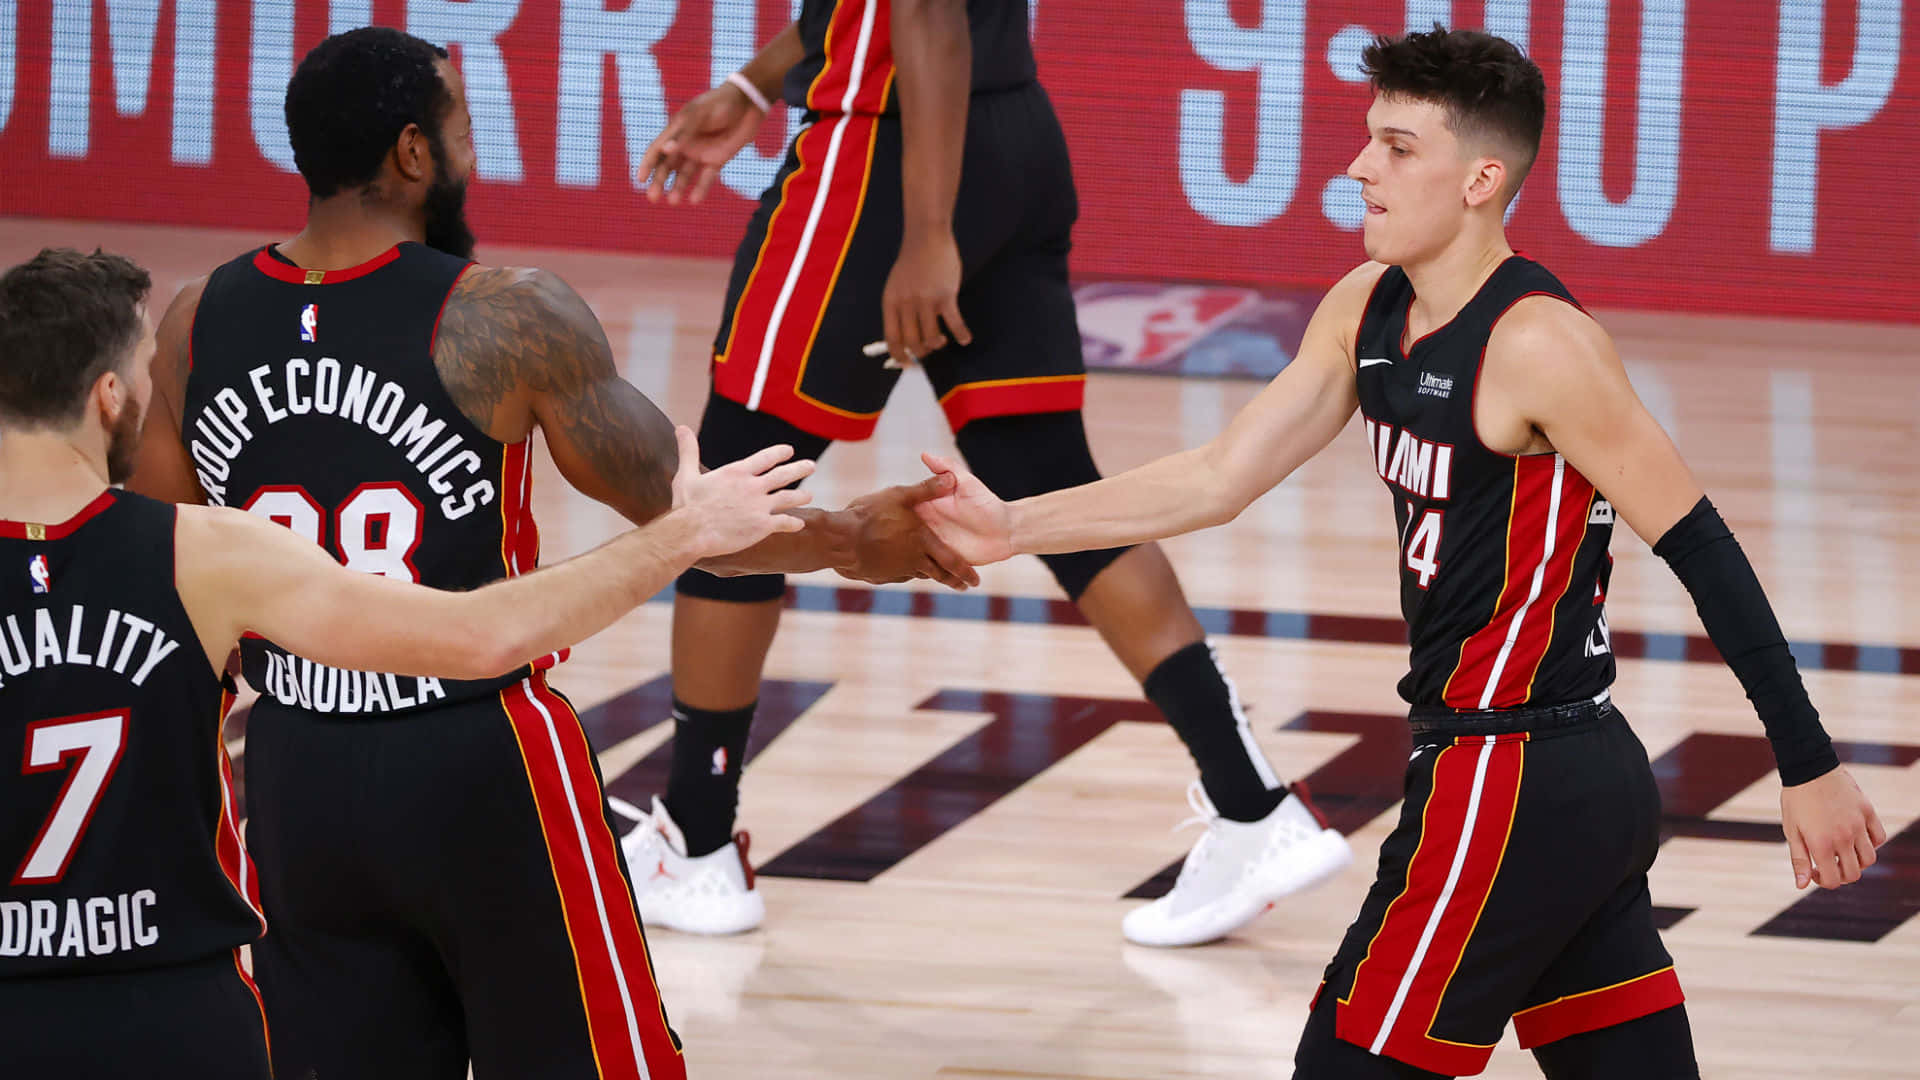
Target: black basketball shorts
[
  {"x": 804, "y": 298},
  {"x": 446, "y": 885},
  {"x": 200, "y": 1019},
  {"x": 1513, "y": 887}
]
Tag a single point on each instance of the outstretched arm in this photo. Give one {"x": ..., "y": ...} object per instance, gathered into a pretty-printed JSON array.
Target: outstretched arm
[
  {"x": 1297, "y": 414},
  {"x": 1551, "y": 369},
  {"x": 162, "y": 469},
  {"x": 519, "y": 348},
  {"x": 237, "y": 572}
]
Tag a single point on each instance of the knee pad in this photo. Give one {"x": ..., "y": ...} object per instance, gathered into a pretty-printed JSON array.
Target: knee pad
[
  {"x": 730, "y": 431},
  {"x": 740, "y": 589},
  {"x": 1019, "y": 456}
]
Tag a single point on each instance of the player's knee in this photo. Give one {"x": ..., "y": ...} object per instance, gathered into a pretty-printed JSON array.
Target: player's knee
[
  {"x": 1019, "y": 456},
  {"x": 740, "y": 589}
]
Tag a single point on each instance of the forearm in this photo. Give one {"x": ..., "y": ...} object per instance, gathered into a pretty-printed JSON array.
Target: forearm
[
  {"x": 933, "y": 64},
  {"x": 825, "y": 544},
  {"x": 767, "y": 71},
  {"x": 560, "y": 605},
  {"x": 1176, "y": 494},
  {"x": 1741, "y": 623}
]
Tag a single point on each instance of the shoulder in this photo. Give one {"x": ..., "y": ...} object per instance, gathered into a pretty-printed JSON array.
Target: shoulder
[
  {"x": 515, "y": 290},
  {"x": 1337, "y": 319},
  {"x": 1546, "y": 323},
  {"x": 1545, "y": 346},
  {"x": 1353, "y": 289}
]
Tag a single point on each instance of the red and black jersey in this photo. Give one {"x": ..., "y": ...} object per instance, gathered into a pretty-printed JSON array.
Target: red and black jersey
[
  {"x": 313, "y": 401},
  {"x": 1503, "y": 559},
  {"x": 848, "y": 67},
  {"x": 118, "y": 832}
]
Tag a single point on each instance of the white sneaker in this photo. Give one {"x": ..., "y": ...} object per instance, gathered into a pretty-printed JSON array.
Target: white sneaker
[
  {"x": 711, "y": 894},
  {"x": 1238, "y": 869}
]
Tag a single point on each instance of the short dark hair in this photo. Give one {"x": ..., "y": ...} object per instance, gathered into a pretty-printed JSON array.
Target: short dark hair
[
  {"x": 66, "y": 318},
  {"x": 351, "y": 98},
  {"x": 1487, "y": 85}
]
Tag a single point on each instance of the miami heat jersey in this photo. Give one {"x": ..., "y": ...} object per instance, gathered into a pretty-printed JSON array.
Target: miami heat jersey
[
  {"x": 1503, "y": 559},
  {"x": 117, "y": 826},
  {"x": 848, "y": 66},
  {"x": 313, "y": 401}
]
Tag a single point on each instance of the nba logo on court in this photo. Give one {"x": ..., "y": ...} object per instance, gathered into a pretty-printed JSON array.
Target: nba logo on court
[
  {"x": 310, "y": 323},
  {"x": 42, "y": 577}
]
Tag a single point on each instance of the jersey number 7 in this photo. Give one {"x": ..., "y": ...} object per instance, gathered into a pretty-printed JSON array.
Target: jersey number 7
[{"x": 97, "y": 740}]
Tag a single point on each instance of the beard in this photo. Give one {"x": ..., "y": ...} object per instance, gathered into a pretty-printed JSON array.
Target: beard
[
  {"x": 123, "y": 441},
  {"x": 446, "y": 208}
]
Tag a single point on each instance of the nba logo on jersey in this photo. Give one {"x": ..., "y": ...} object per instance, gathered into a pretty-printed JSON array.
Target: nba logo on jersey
[
  {"x": 41, "y": 576},
  {"x": 310, "y": 323},
  {"x": 719, "y": 761}
]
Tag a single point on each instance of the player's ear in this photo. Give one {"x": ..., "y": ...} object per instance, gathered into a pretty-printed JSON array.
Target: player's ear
[
  {"x": 109, "y": 396},
  {"x": 1484, "y": 182},
  {"x": 412, "y": 156}
]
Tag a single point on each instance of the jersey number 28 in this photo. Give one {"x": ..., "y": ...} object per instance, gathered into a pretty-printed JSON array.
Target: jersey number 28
[{"x": 375, "y": 530}]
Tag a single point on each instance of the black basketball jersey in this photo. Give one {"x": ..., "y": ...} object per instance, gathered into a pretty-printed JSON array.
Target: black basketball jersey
[
  {"x": 1503, "y": 559},
  {"x": 848, "y": 66},
  {"x": 117, "y": 825},
  {"x": 313, "y": 401}
]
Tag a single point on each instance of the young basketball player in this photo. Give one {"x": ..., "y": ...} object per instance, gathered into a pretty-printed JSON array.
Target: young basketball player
[
  {"x": 129, "y": 892},
  {"x": 1501, "y": 420},
  {"x": 370, "y": 388},
  {"x": 927, "y": 203}
]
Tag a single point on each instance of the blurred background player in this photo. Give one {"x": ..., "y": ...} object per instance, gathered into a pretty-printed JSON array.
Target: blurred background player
[
  {"x": 368, "y": 386},
  {"x": 130, "y": 891},
  {"x": 928, "y": 203}
]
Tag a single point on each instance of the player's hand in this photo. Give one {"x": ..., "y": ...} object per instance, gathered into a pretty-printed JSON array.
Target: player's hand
[
  {"x": 892, "y": 544},
  {"x": 1831, "y": 830},
  {"x": 701, "y": 138},
  {"x": 922, "y": 292},
  {"x": 740, "y": 504},
  {"x": 970, "y": 519}
]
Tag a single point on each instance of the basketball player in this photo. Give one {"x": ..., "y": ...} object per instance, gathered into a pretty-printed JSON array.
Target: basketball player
[
  {"x": 927, "y": 202},
  {"x": 129, "y": 891},
  {"x": 1499, "y": 416},
  {"x": 448, "y": 887}
]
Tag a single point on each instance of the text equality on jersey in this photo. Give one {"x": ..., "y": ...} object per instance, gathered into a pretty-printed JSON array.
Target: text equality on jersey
[
  {"x": 89, "y": 640},
  {"x": 303, "y": 387}
]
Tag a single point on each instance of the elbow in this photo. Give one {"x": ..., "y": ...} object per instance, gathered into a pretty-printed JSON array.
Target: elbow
[
  {"x": 1221, "y": 499},
  {"x": 492, "y": 651}
]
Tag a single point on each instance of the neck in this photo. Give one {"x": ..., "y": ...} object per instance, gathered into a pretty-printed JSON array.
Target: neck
[
  {"x": 348, "y": 229},
  {"x": 48, "y": 476},
  {"x": 1443, "y": 284}
]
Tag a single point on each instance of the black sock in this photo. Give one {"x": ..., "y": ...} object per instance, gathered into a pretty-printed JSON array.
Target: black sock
[
  {"x": 1191, "y": 690},
  {"x": 703, "y": 790}
]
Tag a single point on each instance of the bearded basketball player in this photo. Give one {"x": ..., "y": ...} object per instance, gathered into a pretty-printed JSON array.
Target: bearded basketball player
[{"x": 370, "y": 387}]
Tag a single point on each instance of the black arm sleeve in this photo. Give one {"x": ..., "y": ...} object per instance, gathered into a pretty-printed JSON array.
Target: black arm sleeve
[{"x": 1733, "y": 608}]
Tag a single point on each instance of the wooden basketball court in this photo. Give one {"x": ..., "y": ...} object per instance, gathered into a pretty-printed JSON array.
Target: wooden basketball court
[{"x": 953, "y": 796}]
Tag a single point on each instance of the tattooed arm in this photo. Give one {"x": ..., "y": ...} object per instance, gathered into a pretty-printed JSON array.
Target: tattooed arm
[
  {"x": 162, "y": 469},
  {"x": 518, "y": 348}
]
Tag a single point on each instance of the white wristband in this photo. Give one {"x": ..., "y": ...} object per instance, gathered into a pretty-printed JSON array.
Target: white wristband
[{"x": 745, "y": 86}]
